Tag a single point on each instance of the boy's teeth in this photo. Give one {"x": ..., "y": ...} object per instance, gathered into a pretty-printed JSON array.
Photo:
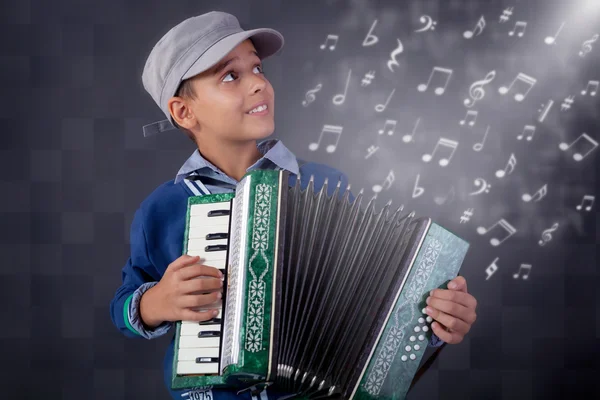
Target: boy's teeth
[{"x": 258, "y": 109}]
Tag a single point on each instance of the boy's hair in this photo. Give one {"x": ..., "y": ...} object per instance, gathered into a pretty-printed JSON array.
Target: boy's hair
[{"x": 186, "y": 91}]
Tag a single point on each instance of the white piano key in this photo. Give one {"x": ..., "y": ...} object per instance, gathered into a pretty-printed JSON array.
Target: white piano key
[
  {"x": 192, "y": 367},
  {"x": 205, "y": 220},
  {"x": 194, "y": 341},
  {"x": 204, "y": 208},
  {"x": 190, "y": 329},
  {"x": 191, "y": 353}
]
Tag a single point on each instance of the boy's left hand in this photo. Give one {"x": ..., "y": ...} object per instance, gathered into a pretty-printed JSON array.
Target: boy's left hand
[{"x": 453, "y": 309}]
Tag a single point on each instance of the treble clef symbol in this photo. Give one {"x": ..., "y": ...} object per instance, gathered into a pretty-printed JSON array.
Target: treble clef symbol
[
  {"x": 547, "y": 234},
  {"x": 310, "y": 95},
  {"x": 476, "y": 90},
  {"x": 587, "y": 45}
]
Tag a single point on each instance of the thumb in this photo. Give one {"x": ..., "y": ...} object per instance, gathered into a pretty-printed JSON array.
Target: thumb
[{"x": 459, "y": 283}]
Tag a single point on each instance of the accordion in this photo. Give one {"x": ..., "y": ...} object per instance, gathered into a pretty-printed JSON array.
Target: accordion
[{"x": 321, "y": 297}]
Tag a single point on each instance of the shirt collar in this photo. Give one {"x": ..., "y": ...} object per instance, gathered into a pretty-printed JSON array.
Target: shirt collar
[{"x": 272, "y": 149}]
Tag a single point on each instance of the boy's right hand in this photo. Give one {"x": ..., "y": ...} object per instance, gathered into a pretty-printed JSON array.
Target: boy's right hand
[{"x": 179, "y": 294}]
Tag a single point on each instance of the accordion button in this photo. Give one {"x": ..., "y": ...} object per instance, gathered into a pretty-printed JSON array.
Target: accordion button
[
  {"x": 417, "y": 347},
  {"x": 429, "y": 319},
  {"x": 425, "y": 328},
  {"x": 421, "y": 337},
  {"x": 417, "y": 329},
  {"x": 412, "y": 356},
  {"x": 404, "y": 358},
  {"x": 407, "y": 348},
  {"x": 421, "y": 320},
  {"x": 412, "y": 338}
]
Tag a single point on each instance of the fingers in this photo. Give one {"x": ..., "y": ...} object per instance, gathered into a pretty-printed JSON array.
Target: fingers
[
  {"x": 197, "y": 286},
  {"x": 448, "y": 321},
  {"x": 453, "y": 308},
  {"x": 191, "y": 315},
  {"x": 183, "y": 261},
  {"x": 199, "y": 300},
  {"x": 458, "y": 283},
  {"x": 443, "y": 334},
  {"x": 196, "y": 270},
  {"x": 461, "y": 298}
]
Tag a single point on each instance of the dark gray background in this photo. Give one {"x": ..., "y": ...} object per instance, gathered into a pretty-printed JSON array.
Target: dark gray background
[{"x": 74, "y": 166}]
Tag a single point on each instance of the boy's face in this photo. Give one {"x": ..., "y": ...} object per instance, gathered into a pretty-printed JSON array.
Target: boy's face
[{"x": 225, "y": 95}]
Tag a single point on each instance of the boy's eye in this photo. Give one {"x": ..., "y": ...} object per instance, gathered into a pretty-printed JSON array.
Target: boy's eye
[{"x": 233, "y": 73}]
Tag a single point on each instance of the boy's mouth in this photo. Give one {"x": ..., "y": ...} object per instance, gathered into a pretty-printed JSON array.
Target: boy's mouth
[{"x": 260, "y": 110}]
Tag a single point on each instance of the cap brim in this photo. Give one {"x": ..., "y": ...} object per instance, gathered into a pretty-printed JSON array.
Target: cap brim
[{"x": 266, "y": 41}]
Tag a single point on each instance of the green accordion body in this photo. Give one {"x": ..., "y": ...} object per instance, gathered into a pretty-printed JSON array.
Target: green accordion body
[{"x": 393, "y": 349}]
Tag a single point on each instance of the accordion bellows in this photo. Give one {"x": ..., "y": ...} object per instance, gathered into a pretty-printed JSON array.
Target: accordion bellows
[{"x": 323, "y": 297}]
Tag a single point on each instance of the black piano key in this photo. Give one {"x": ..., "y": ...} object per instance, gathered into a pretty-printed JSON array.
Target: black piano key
[
  {"x": 200, "y": 360},
  {"x": 215, "y": 247},
  {"x": 210, "y": 321},
  {"x": 218, "y": 213},
  {"x": 213, "y": 236},
  {"x": 209, "y": 334}
]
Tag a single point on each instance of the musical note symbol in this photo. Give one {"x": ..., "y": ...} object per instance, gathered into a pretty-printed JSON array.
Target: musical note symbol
[
  {"x": 519, "y": 24},
  {"x": 478, "y": 28},
  {"x": 386, "y": 184},
  {"x": 506, "y": 15},
  {"x": 381, "y": 107},
  {"x": 417, "y": 190},
  {"x": 585, "y": 198},
  {"x": 310, "y": 95},
  {"x": 594, "y": 85},
  {"x": 340, "y": 98},
  {"x": 587, "y": 45},
  {"x": 469, "y": 114},
  {"x": 523, "y": 267},
  {"x": 451, "y": 144},
  {"x": 467, "y": 214},
  {"x": 527, "y": 128},
  {"x": 390, "y": 131},
  {"x": 479, "y": 146},
  {"x": 438, "y": 90},
  {"x": 545, "y": 111},
  {"x": 484, "y": 186},
  {"x": 567, "y": 103},
  {"x": 370, "y": 39},
  {"x": 547, "y": 234},
  {"x": 409, "y": 138},
  {"x": 371, "y": 150},
  {"x": 476, "y": 90},
  {"x": 523, "y": 78},
  {"x": 334, "y": 38},
  {"x": 510, "y": 230},
  {"x": 430, "y": 24},
  {"x": 552, "y": 39},
  {"x": 337, "y": 130},
  {"x": 512, "y": 162},
  {"x": 577, "y": 155},
  {"x": 368, "y": 77},
  {"x": 491, "y": 269},
  {"x": 442, "y": 200},
  {"x": 393, "y": 55},
  {"x": 539, "y": 194}
]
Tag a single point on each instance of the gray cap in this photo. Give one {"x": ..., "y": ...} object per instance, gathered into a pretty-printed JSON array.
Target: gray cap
[{"x": 192, "y": 47}]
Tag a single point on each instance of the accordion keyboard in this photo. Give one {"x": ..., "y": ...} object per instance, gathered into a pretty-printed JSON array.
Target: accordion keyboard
[{"x": 208, "y": 237}]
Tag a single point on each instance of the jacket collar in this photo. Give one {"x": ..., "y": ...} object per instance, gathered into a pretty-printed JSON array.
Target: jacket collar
[{"x": 272, "y": 149}]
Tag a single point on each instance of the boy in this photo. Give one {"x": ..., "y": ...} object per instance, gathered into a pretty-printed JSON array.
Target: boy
[{"x": 188, "y": 75}]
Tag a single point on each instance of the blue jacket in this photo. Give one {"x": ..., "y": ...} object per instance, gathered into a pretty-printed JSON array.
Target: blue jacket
[{"x": 157, "y": 239}]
